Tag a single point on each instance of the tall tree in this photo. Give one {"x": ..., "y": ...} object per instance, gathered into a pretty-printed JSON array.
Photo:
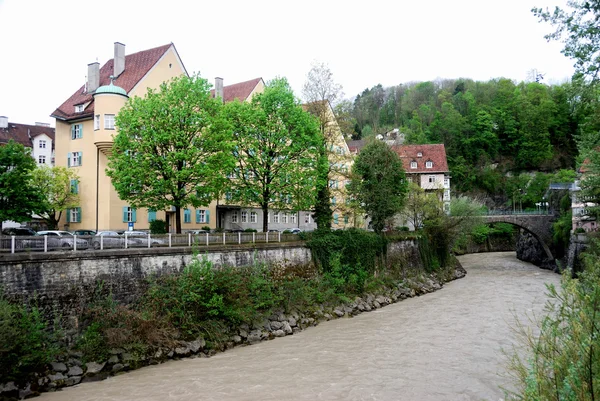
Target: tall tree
[
  {"x": 378, "y": 183},
  {"x": 320, "y": 92},
  {"x": 19, "y": 198},
  {"x": 172, "y": 147},
  {"x": 277, "y": 145},
  {"x": 60, "y": 188}
]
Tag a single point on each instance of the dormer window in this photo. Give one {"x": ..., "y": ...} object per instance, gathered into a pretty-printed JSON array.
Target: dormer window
[
  {"x": 419, "y": 154},
  {"x": 413, "y": 164},
  {"x": 428, "y": 164},
  {"x": 79, "y": 108}
]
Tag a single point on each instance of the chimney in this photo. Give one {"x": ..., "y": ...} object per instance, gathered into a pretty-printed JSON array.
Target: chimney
[
  {"x": 219, "y": 88},
  {"x": 93, "y": 77},
  {"x": 119, "y": 62},
  {"x": 3, "y": 122}
]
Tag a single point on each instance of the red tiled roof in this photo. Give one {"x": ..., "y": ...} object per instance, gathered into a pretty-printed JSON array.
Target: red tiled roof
[
  {"x": 435, "y": 153},
  {"x": 23, "y": 133},
  {"x": 136, "y": 66},
  {"x": 241, "y": 90}
]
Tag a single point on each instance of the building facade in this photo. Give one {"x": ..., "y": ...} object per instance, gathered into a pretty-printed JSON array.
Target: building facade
[{"x": 39, "y": 138}]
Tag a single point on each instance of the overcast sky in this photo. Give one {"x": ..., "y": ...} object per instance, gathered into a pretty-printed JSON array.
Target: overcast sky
[{"x": 46, "y": 45}]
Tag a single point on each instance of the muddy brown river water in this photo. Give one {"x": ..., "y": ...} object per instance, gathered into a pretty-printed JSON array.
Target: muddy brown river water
[{"x": 440, "y": 346}]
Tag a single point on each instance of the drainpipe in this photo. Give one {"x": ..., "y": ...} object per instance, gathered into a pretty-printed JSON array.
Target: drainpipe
[{"x": 97, "y": 183}]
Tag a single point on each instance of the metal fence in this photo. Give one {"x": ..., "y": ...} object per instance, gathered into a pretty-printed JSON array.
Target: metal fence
[
  {"x": 538, "y": 212},
  {"x": 47, "y": 243}
]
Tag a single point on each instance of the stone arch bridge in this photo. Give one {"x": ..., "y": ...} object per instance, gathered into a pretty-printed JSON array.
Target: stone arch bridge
[{"x": 539, "y": 225}]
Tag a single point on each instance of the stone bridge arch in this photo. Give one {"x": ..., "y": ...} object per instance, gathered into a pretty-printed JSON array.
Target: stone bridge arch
[{"x": 539, "y": 225}]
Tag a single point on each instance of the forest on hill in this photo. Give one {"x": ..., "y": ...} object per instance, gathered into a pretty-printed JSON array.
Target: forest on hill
[{"x": 500, "y": 136}]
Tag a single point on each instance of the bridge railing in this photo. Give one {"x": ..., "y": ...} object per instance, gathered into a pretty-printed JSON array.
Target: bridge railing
[{"x": 519, "y": 213}]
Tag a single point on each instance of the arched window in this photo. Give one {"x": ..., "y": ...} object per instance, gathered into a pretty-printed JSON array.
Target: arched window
[
  {"x": 413, "y": 164},
  {"x": 428, "y": 164}
]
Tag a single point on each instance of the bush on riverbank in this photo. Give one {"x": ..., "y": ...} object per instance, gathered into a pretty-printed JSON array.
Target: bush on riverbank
[
  {"x": 563, "y": 361},
  {"x": 26, "y": 344}
]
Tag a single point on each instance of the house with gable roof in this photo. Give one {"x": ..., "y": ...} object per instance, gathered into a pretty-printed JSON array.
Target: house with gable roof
[
  {"x": 39, "y": 138},
  {"x": 85, "y": 125}
]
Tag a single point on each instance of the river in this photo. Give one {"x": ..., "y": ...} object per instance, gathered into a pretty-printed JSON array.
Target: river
[{"x": 440, "y": 346}]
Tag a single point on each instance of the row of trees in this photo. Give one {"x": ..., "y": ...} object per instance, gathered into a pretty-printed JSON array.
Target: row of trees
[
  {"x": 26, "y": 189},
  {"x": 178, "y": 146}
]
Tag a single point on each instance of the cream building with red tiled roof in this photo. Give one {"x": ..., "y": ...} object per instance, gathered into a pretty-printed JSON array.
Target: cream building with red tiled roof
[{"x": 85, "y": 125}]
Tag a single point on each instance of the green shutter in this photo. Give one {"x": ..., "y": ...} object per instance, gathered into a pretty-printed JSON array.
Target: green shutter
[
  {"x": 72, "y": 131},
  {"x": 151, "y": 215},
  {"x": 68, "y": 159},
  {"x": 197, "y": 215},
  {"x": 78, "y": 215},
  {"x": 187, "y": 217},
  {"x": 133, "y": 219},
  {"x": 80, "y": 158},
  {"x": 335, "y": 218},
  {"x": 80, "y": 131},
  {"x": 74, "y": 188},
  {"x": 68, "y": 215},
  {"x": 124, "y": 214},
  {"x": 346, "y": 219},
  {"x": 207, "y": 216}
]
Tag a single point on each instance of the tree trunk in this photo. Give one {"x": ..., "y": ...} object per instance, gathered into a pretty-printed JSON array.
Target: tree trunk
[
  {"x": 265, "y": 210},
  {"x": 177, "y": 219}
]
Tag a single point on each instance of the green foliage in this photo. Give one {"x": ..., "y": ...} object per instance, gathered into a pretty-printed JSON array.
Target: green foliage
[
  {"x": 172, "y": 147},
  {"x": 206, "y": 228},
  {"x": 158, "y": 227},
  {"x": 561, "y": 231},
  {"x": 481, "y": 233},
  {"x": 26, "y": 345},
  {"x": 563, "y": 361},
  {"x": 250, "y": 230},
  {"x": 378, "y": 183},
  {"x": 355, "y": 248},
  {"x": 19, "y": 197},
  {"x": 276, "y": 148},
  {"x": 55, "y": 184}
]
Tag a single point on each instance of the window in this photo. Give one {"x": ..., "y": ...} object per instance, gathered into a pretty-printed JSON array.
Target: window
[
  {"x": 187, "y": 216},
  {"x": 74, "y": 186},
  {"x": 293, "y": 218},
  {"x": 228, "y": 196},
  {"x": 284, "y": 217},
  {"x": 97, "y": 122},
  {"x": 244, "y": 216},
  {"x": 202, "y": 216},
  {"x": 151, "y": 215},
  {"x": 109, "y": 121},
  {"x": 42, "y": 144},
  {"x": 413, "y": 164},
  {"x": 74, "y": 215},
  {"x": 333, "y": 184},
  {"x": 432, "y": 179},
  {"x": 333, "y": 201},
  {"x": 42, "y": 159},
  {"x": 79, "y": 108},
  {"x": 419, "y": 154},
  {"x": 74, "y": 159},
  {"x": 428, "y": 164},
  {"x": 234, "y": 216},
  {"x": 128, "y": 214},
  {"x": 253, "y": 217},
  {"x": 335, "y": 218},
  {"x": 346, "y": 219},
  {"x": 276, "y": 217},
  {"x": 307, "y": 218},
  {"x": 76, "y": 131},
  {"x": 348, "y": 183}
]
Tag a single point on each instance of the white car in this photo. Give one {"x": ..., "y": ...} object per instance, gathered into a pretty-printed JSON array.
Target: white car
[{"x": 59, "y": 239}]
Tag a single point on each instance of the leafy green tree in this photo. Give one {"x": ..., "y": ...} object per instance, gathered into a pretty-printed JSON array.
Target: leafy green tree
[
  {"x": 277, "y": 147},
  {"x": 379, "y": 183},
  {"x": 60, "y": 188},
  {"x": 419, "y": 205},
  {"x": 19, "y": 197},
  {"x": 172, "y": 148}
]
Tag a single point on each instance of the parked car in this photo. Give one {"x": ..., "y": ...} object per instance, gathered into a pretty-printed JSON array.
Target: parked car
[
  {"x": 84, "y": 232},
  {"x": 18, "y": 231},
  {"x": 58, "y": 239},
  {"x": 108, "y": 239},
  {"x": 295, "y": 231},
  {"x": 140, "y": 239}
]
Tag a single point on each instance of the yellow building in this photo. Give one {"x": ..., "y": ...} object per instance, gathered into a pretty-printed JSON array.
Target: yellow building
[{"x": 85, "y": 125}]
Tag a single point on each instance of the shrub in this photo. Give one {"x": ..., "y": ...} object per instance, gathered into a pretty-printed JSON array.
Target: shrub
[
  {"x": 579, "y": 230},
  {"x": 158, "y": 227},
  {"x": 250, "y": 230},
  {"x": 206, "y": 228},
  {"x": 26, "y": 344}
]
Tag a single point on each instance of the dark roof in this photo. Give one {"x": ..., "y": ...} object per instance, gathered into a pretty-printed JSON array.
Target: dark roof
[
  {"x": 356, "y": 146},
  {"x": 435, "y": 153},
  {"x": 137, "y": 66},
  {"x": 241, "y": 90},
  {"x": 24, "y": 133}
]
